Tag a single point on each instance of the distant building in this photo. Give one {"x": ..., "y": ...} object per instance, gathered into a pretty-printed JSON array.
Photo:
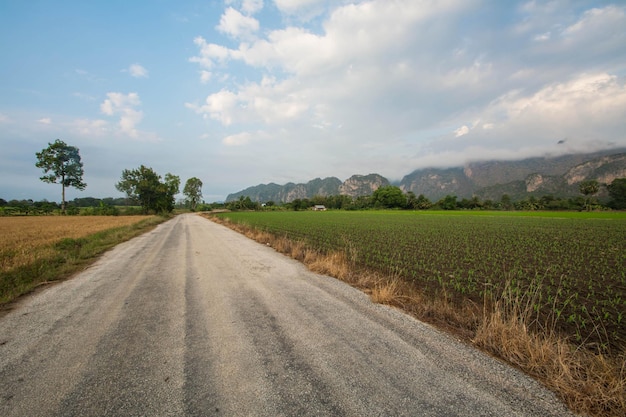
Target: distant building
[{"x": 319, "y": 207}]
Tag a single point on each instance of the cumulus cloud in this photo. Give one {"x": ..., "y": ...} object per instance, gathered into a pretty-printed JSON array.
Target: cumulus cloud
[
  {"x": 210, "y": 53},
  {"x": 235, "y": 24},
  {"x": 251, "y": 6},
  {"x": 219, "y": 106},
  {"x": 124, "y": 106},
  {"x": 45, "y": 120},
  {"x": 137, "y": 71}
]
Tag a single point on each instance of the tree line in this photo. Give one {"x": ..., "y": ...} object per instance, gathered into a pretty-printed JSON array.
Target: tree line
[{"x": 62, "y": 164}]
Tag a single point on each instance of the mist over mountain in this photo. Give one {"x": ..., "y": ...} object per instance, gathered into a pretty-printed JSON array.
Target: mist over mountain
[{"x": 558, "y": 176}]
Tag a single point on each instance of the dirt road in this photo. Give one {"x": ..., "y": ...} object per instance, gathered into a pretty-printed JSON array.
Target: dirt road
[{"x": 193, "y": 319}]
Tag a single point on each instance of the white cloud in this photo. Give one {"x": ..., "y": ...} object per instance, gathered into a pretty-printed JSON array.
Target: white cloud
[
  {"x": 210, "y": 53},
  {"x": 4, "y": 118},
  {"x": 461, "y": 131},
  {"x": 124, "y": 105},
  {"x": 235, "y": 24},
  {"x": 251, "y": 6},
  {"x": 220, "y": 106},
  {"x": 138, "y": 71},
  {"x": 205, "y": 76},
  {"x": 45, "y": 121}
]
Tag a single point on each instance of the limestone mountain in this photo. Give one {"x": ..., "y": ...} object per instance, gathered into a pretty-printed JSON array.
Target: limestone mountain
[
  {"x": 360, "y": 185},
  {"x": 289, "y": 192},
  {"x": 355, "y": 186},
  {"x": 557, "y": 176}
]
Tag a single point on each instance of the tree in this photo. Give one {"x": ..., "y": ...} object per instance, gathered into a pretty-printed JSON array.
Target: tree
[
  {"x": 389, "y": 197},
  {"x": 448, "y": 203},
  {"x": 193, "y": 192},
  {"x": 244, "y": 203},
  {"x": 62, "y": 164},
  {"x": 506, "y": 203},
  {"x": 144, "y": 185},
  {"x": 617, "y": 191},
  {"x": 423, "y": 203},
  {"x": 170, "y": 188},
  {"x": 589, "y": 188},
  {"x": 300, "y": 204}
]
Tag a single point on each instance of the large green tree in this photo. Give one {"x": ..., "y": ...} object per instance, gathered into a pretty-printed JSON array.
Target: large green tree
[
  {"x": 617, "y": 191},
  {"x": 193, "y": 192},
  {"x": 145, "y": 186},
  {"x": 389, "y": 197},
  {"x": 62, "y": 164}
]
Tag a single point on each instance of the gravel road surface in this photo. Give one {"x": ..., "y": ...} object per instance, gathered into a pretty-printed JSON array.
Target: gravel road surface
[{"x": 193, "y": 319}]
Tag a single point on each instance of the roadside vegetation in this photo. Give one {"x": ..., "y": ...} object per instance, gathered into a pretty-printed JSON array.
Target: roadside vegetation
[
  {"x": 545, "y": 291},
  {"x": 37, "y": 250}
]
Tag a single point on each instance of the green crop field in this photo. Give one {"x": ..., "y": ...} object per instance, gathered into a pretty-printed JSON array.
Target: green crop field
[{"x": 573, "y": 263}]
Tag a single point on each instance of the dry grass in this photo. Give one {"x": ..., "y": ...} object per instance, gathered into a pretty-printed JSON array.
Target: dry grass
[
  {"x": 25, "y": 238},
  {"x": 589, "y": 382},
  {"x": 593, "y": 383}
]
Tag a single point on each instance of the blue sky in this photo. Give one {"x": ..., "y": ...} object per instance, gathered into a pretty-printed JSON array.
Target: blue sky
[{"x": 243, "y": 92}]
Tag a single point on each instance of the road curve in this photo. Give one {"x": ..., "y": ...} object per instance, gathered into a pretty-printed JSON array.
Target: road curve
[{"x": 193, "y": 319}]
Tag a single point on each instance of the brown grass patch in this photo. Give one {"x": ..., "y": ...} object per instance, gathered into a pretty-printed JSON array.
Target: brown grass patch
[{"x": 588, "y": 382}]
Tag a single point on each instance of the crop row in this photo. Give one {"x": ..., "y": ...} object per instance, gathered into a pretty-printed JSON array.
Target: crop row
[{"x": 577, "y": 264}]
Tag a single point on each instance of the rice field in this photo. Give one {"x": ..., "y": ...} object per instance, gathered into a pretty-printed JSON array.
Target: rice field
[{"x": 570, "y": 266}]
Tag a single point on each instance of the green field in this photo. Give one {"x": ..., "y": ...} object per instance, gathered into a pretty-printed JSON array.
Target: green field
[{"x": 573, "y": 264}]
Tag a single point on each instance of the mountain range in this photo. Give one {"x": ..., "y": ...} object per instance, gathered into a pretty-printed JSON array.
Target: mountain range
[{"x": 557, "y": 176}]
